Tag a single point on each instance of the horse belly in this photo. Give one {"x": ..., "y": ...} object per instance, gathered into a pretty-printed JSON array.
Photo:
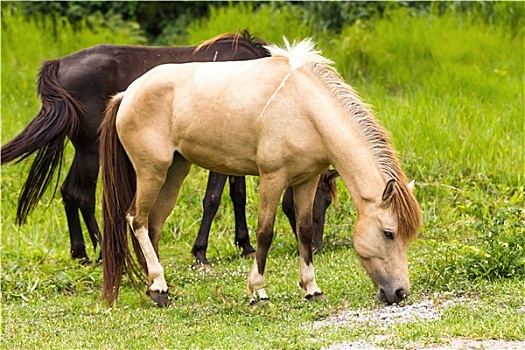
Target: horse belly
[{"x": 217, "y": 145}]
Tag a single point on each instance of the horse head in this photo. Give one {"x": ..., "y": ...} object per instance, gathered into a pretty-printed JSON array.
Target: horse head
[{"x": 381, "y": 238}]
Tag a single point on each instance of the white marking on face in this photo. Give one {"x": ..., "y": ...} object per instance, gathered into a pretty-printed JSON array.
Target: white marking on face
[{"x": 275, "y": 93}]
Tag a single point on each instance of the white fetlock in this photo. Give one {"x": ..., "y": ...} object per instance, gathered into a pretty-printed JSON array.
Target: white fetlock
[
  {"x": 259, "y": 296},
  {"x": 159, "y": 286}
]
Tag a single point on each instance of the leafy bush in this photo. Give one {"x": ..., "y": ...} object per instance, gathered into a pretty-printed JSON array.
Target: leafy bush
[{"x": 488, "y": 243}]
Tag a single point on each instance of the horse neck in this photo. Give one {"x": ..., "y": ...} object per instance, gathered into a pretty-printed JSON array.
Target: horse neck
[{"x": 351, "y": 155}]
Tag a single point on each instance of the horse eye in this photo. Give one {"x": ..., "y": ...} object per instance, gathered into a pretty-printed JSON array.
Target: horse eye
[{"x": 389, "y": 234}]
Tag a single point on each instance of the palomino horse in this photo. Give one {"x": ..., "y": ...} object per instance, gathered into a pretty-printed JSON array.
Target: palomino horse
[
  {"x": 74, "y": 90},
  {"x": 284, "y": 118}
]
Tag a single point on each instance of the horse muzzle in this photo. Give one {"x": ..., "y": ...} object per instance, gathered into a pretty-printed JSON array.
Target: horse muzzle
[{"x": 392, "y": 295}]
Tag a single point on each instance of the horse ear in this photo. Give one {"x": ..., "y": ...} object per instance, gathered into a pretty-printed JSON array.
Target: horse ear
[
  {"x": 389, "y": 192},
  {"x": 411, "y": 185}
]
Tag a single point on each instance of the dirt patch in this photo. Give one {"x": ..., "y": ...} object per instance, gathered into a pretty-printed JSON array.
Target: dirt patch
[
  {"x": 425, "y": 310},
  {"x": 384, "y": 316},
  {"x": 454, "y": 344}
]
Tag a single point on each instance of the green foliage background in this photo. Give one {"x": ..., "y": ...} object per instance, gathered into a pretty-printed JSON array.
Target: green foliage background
[{"x": 447, "y": 80}]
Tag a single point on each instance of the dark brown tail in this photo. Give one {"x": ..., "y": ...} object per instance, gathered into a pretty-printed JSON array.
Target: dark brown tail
[
  {"x": 45, "y": 135},
  {"x": 119, "y": 186}
]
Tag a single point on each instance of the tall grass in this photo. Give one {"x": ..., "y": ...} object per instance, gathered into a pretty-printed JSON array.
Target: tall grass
[
  {"x": 270, "y": 21},
  {"x": 454, "y": 87}
]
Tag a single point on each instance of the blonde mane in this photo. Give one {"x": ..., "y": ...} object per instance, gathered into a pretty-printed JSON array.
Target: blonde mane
[{"x": 404, "y": 203}]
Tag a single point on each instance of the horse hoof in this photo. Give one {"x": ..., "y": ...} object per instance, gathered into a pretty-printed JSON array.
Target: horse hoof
[
  {"x": 161, "y": 299},
  {"x": 260, "y": 301},
  {"x": 315, "y": 296},
  {"x": 85, "y": 262},
  {"x": 201, "y": 266},
  {"x": 250, "y": 255}
]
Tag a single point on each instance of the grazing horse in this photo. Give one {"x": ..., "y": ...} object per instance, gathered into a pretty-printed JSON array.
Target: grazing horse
[
  {"x": 74, "y": 90},
  {"x": 285, "y": 118}
]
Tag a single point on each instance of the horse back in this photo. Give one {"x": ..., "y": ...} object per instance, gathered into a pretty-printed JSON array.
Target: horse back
[
  {"x": 93, "y": 75},
  {"x": 242, "y": 109}
]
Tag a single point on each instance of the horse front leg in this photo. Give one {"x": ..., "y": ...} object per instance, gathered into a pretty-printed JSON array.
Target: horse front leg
[
  {"x": 304, "y": 198},
  {"x": 210, "y": 205},
  {"x": 271, "y": 188},
  {"x": 238, "y": 197}
]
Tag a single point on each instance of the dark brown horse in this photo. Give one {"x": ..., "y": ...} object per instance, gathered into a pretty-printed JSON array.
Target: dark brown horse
[{"x": 74, "y": 90}]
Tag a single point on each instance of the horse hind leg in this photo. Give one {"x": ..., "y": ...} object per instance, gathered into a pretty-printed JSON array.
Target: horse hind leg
[
  {"x": 167, "y": 198},
  {"x": 150, "y": 180},
  {"x": 303, "y": 198},
  {"x": 69, "y": 191},
  {"x": 87, "y": 200}
]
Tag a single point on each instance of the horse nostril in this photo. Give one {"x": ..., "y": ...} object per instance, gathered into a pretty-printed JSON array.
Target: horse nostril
[
  {"x": 400, "y": 294},
  {"x": 381, "y": 295}
]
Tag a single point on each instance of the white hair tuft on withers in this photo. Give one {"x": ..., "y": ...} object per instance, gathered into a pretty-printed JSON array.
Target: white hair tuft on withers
[{"x": 298, "y": 53}]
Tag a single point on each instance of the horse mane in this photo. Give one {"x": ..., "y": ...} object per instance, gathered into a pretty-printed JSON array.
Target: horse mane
[
  {"x": 258, "y": 44},
  {"x": 403, "y": 203}
]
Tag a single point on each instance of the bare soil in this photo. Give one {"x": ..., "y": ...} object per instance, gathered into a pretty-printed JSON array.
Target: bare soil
[{"x": 425, "y": 310}]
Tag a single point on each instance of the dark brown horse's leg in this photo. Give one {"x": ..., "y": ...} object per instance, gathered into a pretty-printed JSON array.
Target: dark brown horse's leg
[
  {"x": 69, "y": 190},
  {"x": 238, "y": 197},
  {"x": 289, "y": 210},
  {"x": 210, "y": 205},
  {"x": 325, "y": 194},
  {"x": 86, "y": 196}
]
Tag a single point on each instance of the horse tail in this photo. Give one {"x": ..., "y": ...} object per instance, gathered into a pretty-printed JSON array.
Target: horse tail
[
  {"x": 44, "y": 135},
  {"x": 119, "y": 187}
]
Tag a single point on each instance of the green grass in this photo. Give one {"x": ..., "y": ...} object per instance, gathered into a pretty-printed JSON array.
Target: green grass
[{"x": 450, "y": 90}]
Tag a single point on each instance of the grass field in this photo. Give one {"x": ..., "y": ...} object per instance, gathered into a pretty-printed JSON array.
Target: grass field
[{"x": 450, "y": 90}]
